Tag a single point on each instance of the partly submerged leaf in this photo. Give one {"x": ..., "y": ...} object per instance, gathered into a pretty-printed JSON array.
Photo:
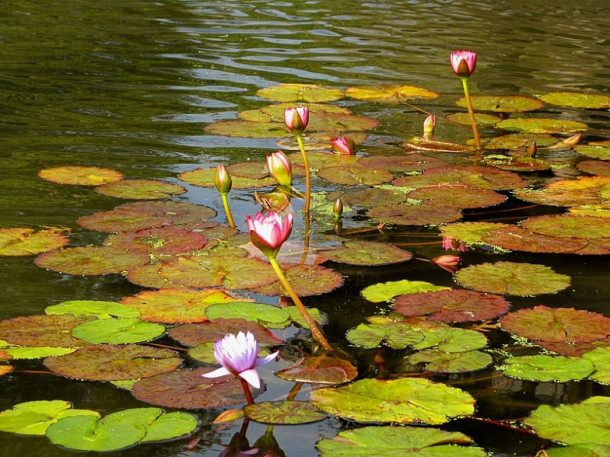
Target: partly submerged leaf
[
  {"x": 284, "y": 412},
  {"x": 320, "y": 370},
  {"x": 381, "y": 292},
  {"x": 402, "y": 214},
  {"x": 600, "y": 358}
]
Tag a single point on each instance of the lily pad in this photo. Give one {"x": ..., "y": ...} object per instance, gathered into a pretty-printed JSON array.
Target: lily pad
[
  {"x": 541, "y": 125},
  {"x": 480, "y": 118},
  {"x": 80, "y": 176},
  {"x": 24, "y": 352},
  {"x": 520, "y": 140},
  {"x": 595, "y": 167},
  {"x": 470, "y": 232},
  {"x": 581, "y": 450},
  {"x": 518, "y": 238},
  {"x": 449, "y": 339},
  {"x": 401, "y": 163},
  {"x": 381, "y": 292},
  {"x": 306, "y": 280},
  {"x": 122, "y": 220},
  {"x": 501, "y": 103},
  {"x": 522, "y": 279},
  {"x": 100, "y": 309},
  {"x": 300, "y": 92},
  {"x": 452, "y": 305},
  {"x": 439, "y": 361},
  {"x": 284, "y": 412},
  {"x": 354, "y": 175},
  {"x": 402, "y": 214},
  {"x": 396, "y": 335},
  {"x": 320, "y": 370},
  {"x": 426, "y": 145},
  {"x": 577, "y": 100},
  {"x": 204, "y": 177},
  {"x": 367, "y": 253},
  {"x": 41, "y": 331},
  {"x": 18, "y": 241},
  {"x": 383, "y": 441},
  {"x": 267, "y": 315},
  {"x": 194, "y": 334},
  {"x": 140, "y": 189},
  {"x": 594, "y": 150},
  {"x": 585, "y": 190},
  {"x": 179, "y": 212},
  {"x": 91, "y": 260},
  {"x": 118, "y": 331},
  {"x": 159, "y": 241},
  {"x": 547, "y": 368},
  {"x": 518, "y": 164},
  {"x": 456, "y": 196},
  {"x": 600, "y": 358},
  {"x": 401, "y": 401},
  {"x": 34, "y": 417},
  {"x": 390, "y": 93},
  {"x": 105, "y": 362},
  {"x": 587, "y": 422},
  {"x": 368, "y": 197},
  {"x": 568, "y": 225},
  {"x": 247, "y": 129}
]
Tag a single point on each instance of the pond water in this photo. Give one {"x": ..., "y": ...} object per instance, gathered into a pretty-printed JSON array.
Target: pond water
[{"x": 130, "y": 85}]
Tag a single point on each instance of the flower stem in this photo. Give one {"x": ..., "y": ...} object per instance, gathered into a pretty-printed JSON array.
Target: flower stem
[
  {"x": 475, "y": 130},
  {"x": 307, "y": 175},
  {"x": 225, "y": 203},
  {"x": 315, "y": 330},
  {"x": 246, "y": 388}
]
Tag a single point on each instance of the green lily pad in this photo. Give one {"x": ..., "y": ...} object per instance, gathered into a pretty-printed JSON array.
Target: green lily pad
[
  {"x": 520, "y": 140},
  {"x": 518, "y": 238},
  {"x": 204, "y": 177},
  {"x": 439, "y": 361},
  {"x": 600, "y": 358},
  {"x": 18, "y": 241},
  {"x": 159, "y": 241},
  {"x": 480, "y": 118},
  {"x": 518, "y": 164},
  {"x": 585, "y": 190},
  {"x": 501, "y": 103},
  {"x": 100, "y": 309},
  {"x": 587, "y": 422},
  {"x": 452, "y": 305},
  {"x": 91, "y": 260},
  {"x": 140, "y": 189},
  {"x": 390, "y": 440},
  {"x": 402, "y": 214},
  {"x": 34, "y": 417},
  {"x": 300, "y": 92},
  {"x": 568, "y": 225},
  {"x": 318, "y": 160},
  {"x": 541, "y": 125},
  {"x": 188, "y": 389},
  {"x": 393, "y": 334},
  {"x": 194, "y": 334},
  {"x": 174, "y": 306},
  {"x": 390, "y": 93},
  {"x": 577, "y": 100},
  {"x": 320, "y": 370},
  {"x": 401, "y": 163},
  {"x": 267, "y": 315},
  {"x": 169, "y": 426},
  {"x": 367, "y": 253},
  {"x": 248, "y": 129},
  {"x": 594, "y": 150},
  {"x": 42, "y": 331},
  {"x": 306, "y": 280},
  {"x": 581, "y": 450},
  {"x": 547, "y": 368},
  {"x": 340, "y": 123},
  {"x": 284, "y": 412},
  {"x": 80, "y": 176},
  {"x": 426, "y": 145},
  {"x": 450, "y": 339},
  {"x": 401, "y": 401},
  {"x": 118, "y": 331},
  {"x": 105, "y": 362},
  {"x": 368, "y": 197},
  {"x": 595, "y": 167},
  {"x": 354, "y": 175},
  {"x": 24, "y": 352},
  {"x": 456, "y": 196},
  {"x": 522, "y": 279},
  {"x": 381, "y": 292},
  {"x": 470, "y": 232}
]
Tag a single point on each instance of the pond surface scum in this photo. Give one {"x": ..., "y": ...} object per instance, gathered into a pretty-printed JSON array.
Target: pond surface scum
[{"x": 464, "y": 291}]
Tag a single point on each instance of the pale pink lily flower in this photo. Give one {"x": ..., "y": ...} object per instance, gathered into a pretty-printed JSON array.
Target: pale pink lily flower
[
  {"x": 463, "y": 63},
  {"x": 238, "y": 356},
  {"x": 296, "y": 119},
  {"x": 279, "y": 167},
  {"x": 343, "y": 145},
  {"x": 269, "y": 232}
]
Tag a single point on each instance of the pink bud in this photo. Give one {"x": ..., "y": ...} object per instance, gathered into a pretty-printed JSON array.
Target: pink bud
[
  {"x": 269, "y": 232},
  {"x": 463, "y": 63},
  {"x": 450, "y": 263},
  {"x": 343, "y": 145},
  {"x": 296, "y": 119},
  {"x": 223, "y": 181},
  {"x": 280, "y": 168}
]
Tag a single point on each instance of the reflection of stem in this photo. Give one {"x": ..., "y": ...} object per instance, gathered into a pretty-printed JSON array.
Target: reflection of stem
[
  {"x": 306, "y": 240},
  {"x": 475, "y": 130},
  {"x": 315, "y": 330},
  {"x": 246, "y": 388},
  {"x": 225, "y": 203},
  {"x": 307, "y": 176}
]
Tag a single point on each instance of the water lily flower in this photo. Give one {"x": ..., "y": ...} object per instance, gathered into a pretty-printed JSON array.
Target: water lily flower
[
  {"x": 450, "y": 263},
  {"x": 463, "y": 63},
  {"x": 222, "y": 180},
  {"x": 238, "y": 356},
  {"x": 296, "y": 119},
  {"x": 269, "y": 232},
  {"x": 343, "y": 145},
  {"x": 280, "y": 168},
  {"x": 448, "y": 245}
]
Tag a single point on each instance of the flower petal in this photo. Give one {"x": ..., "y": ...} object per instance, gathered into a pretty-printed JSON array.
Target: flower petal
[
  {"x": 251, "y": 377},
  {"x": 222, "y": 371},
  {"x": 263, "y": 360}
]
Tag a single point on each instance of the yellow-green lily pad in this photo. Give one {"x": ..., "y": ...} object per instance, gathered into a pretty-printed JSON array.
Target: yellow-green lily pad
[
  {"x": 577, "y": 100},
  {"x": 501, "y": 103},
  {"x": 541, "y": 125},
  {"x": 80, "y": 176},
  {"x": 300, "y": 93},
  {"x": 140, "y": 189},
  {"x": 390, "y": 93},
  {"x": 17, "y": 241}
]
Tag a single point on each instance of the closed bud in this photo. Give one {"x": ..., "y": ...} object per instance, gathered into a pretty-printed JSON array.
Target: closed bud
[
  {"x": 280, "y": 168},
  {"x": 223, "y": 181},
  {"x": 429, "y": 124},
  {"x": 343, "y": 145},
  {"x": 463, "y": 63},
  {"x": 338, "y": 208},
  {"x": 532, "y": 149},
  {"x": 296, "y": 119}
]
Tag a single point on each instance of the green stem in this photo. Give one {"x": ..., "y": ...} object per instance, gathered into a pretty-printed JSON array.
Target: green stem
[
  {"x": 225, "y": 203},
  {"x": 475, "y": 130},
  {"x": 307, "y": 175},
  {"x": 315, "y": 330},
  {"x": 246, "y": 388}
]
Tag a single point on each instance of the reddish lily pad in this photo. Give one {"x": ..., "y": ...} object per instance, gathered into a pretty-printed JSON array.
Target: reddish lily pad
[
  {"x": 522, "y": 279},
  {"x": 470, "y": 232},
  {"x": 175, "y": 306},
  {"x": 204, "y": 177},
  {"x": 390, "y": 93},
  {"x": 518, "y": 238},
  {"x": 284, "y": 412},
  {"x": 586, "y": 190},
  {"x": 106, "y": 362},
  {"x": 541, "y": 125},
  {"x": 159, "y": 241},
  {"x": 423, "y": 144},
  {"x": 457, "y": 196},
  {"x": 150, "y": 276},
  {"x": 414, "y": 214},
  {"x": 188, "y": 389},
  {"x": 439, "y": 361},
  {"x": 91, "y": 260},
  {"x": 306, "y": 280},
  {"x": 320, "y": 370},
  {"x": 367, "y": 253},
  {"x": 80, "y": 176},
  {"x": 5, "y": 369},
  {"x": 368, "y": 197},
  {"x": 194, "y": 334},
  {"x": 594, "y": 150},
  {"x": 480, "y": 118},
  {"x": 43, "y": 330},
  {"x": 300, "y": 92},
  {"x": 577, "y": 100},
  {"x": 501, "y": 103},
  {"x": 340, "y": 122},
  {"x": 248, "y": 129},
  {"x": 595, "y": 167},
  {"x": 354, "y": 175},
  {"x": 140, "y": 189},
  {"x": 452, "y": 305},
  {"x": 25, "y": 241},
  {"x": 179, "y": 212},
  {"x": 521, "y": 140},
  {"x": 401, "y": 163},
  {"x": 518, "y": 164},
  {"x": 121, "y": 220},
  {"x": 568, "y": 225}
]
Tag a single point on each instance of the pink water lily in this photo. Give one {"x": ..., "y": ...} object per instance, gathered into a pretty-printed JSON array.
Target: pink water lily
[
  {"x": 279, "y": 167},
  {"x": 450, "y": 263},
  {"x": 238, "y": 356},
  {"x": 222, "y": 180},
  {"x": 463, "y": 63},
  {"x": 296, "y": 119},
  {"x": 269, "y": 232},
  {"x": 343, "y": 145}
]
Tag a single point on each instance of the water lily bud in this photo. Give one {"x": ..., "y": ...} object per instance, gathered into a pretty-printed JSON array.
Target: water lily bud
[
  {"x": 296, "y": 119},
  {"x": 223, "y": 181},
  {"x": 450, "y": 263},
  {"x": 280, "y": 168},
  {"x": 429, "y": 124},
  {"x": 463, "y": 63},
  {"x": 338, "y": 208},
  {"x": 532, "y": 149},
  {"x": 343, "y": 145}
]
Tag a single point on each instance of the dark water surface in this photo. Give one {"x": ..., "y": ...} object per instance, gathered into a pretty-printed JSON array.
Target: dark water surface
[{"x": 130, "y": 85}]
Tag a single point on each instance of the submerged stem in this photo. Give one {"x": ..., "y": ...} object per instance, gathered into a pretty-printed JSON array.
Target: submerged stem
[
  {"x": 475, "y": 130},
  {"x": 307, "y": 175},
  {"x": 225, "y": 203}
]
